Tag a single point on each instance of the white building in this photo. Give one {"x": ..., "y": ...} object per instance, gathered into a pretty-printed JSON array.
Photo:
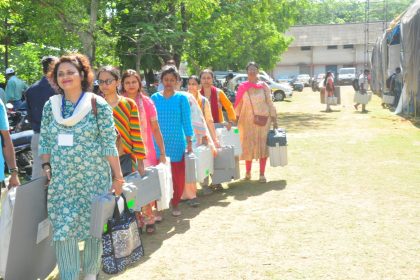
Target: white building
[{"x": 320, "y": 48}]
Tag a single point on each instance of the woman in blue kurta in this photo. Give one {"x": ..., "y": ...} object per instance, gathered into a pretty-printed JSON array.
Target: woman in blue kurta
[
  {"x": 174, "y": 117},
  {"x": 77, "y": 144}
]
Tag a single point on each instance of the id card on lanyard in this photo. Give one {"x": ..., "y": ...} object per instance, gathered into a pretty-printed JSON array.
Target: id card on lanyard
[{"x": 66, "y": 139}]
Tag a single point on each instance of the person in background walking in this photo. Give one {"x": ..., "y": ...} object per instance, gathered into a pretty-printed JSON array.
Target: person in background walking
[
  {"x": 174, "y": 116},
  {"x": 77, "y": 146},
  {"x": 149, "y": 127},
  {"x": 397, "y": 86},
  {"x": 329, "y": 89},
  {"x": 15, "y": 88},
  {"x": 36, "y": 97},
  {"x": 363, "y": 88},
  {"x": 254, "y": 98}
]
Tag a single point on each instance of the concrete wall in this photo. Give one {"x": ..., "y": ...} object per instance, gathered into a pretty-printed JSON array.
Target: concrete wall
[{"x": 318, "y": 58}]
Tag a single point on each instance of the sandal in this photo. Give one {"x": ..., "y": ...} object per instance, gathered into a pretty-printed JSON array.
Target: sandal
[
  {"x": 193, "y": 202},
  {"x": 176, "y": 212},
  {"x": 247, "y": 177},
  {"x": 217, "y": 187},
  {"x": 150, "y": 229},
  {"x": 158, "y": 218},
  {"x": 262, "y": 179}
]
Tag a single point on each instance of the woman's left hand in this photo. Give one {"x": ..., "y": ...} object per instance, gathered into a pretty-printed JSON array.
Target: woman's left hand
[
  {"x": 14, "y": 180},
  {"x": 117, "y": 187},
  {"x": 228, "y": 125},
  {"x": 141, "y": 170},
  {"x": 189, "y": 147},
  {"x": 162, "y": 159}
]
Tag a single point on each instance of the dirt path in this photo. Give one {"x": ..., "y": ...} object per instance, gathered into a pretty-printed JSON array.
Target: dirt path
[{"x": 346, "y": 207}]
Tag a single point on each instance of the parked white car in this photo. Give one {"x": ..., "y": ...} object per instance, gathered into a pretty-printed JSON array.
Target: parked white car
[
  {"x": 346, "y": 75},
  {"x": 279, "y": 91},
  {"x": 303, "y": 78}
]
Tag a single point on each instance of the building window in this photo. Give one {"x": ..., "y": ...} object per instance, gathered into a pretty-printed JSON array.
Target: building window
[
  {"x": 332, "y": 47},
  {"x": 305, "y": 48},
  {"x": 348, "y": 46}
]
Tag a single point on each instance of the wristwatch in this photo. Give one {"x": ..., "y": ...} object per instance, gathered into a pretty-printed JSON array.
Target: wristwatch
[{"x": 14, "y": 170}]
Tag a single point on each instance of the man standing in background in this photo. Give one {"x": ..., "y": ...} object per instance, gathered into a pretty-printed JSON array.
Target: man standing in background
[
  {"x": 36, "y": 97},
  {"x": 15, "y": 88}
]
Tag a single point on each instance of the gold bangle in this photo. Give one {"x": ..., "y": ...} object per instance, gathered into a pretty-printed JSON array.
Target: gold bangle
[{"x": 118, "y": 180}]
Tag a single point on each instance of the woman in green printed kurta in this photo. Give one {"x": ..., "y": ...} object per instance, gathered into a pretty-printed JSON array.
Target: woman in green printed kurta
[{"x": 78, "y": 149}]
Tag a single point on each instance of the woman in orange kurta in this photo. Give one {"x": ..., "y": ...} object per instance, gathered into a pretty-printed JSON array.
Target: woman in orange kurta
[
  {"x": 217, "y": 99},
  {"x": 254, "y": 99}
]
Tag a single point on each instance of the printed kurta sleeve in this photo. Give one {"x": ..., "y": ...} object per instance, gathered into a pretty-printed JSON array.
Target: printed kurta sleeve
[
  {"x": 228, "y": 106},
  {"x": 46, "y": 141},
  {"x": 107, "y": 134},
  {"x": 186, "y": 116},
  {"x": 135, "y": 133}
]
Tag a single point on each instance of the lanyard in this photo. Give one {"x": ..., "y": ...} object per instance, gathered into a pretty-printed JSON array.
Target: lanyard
[{"x": 63, "y": 103}]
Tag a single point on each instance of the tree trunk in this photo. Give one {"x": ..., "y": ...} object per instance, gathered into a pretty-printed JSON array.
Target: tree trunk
[
  {"x": 6, "y": 44},
  {"x": 138, "y": 57}
]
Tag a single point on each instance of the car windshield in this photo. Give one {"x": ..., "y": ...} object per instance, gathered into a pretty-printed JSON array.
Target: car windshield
[
  {"x": 347, "y": 71},
  {"x": 303, "y": 76}
]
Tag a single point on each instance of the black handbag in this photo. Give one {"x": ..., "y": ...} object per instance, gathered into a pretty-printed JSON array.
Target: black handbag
[{"x": 121, "y": 242}]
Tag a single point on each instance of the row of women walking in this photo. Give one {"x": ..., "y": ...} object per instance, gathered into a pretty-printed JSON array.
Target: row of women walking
[{"x": 89, "y": 143}]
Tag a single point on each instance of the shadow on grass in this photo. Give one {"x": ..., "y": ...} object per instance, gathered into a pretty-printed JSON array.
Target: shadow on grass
[
  {"x": 242, "y": 190},
  {"x": 171, "y": 226},
  {"x": 414, "y": 121},
  {"x": 296, "y": 122}
]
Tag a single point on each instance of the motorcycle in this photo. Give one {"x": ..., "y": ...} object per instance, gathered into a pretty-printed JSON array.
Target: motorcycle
[
  {"x": 18, "y": 119},
  {"x": 23, "y": 153}
]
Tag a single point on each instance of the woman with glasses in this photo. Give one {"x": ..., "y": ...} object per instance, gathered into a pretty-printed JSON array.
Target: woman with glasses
[
  {"x": 77, "y": 147},
  {"x": 254, "y": 99},
  {"x": 150, "y": 131}
]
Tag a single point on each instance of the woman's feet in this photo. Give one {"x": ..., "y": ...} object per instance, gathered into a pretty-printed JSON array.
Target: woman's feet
[
  {"x": 193, "y": 202},
  {"x": 176, "y": 212},
  {"x": 262, "y": 179},
  {"x": 247, "y": 177},
  {"x": 150, "y": 229}
]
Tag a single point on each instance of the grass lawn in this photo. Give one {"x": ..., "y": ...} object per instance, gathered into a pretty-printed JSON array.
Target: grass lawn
[{"x": 346, "y": 207}]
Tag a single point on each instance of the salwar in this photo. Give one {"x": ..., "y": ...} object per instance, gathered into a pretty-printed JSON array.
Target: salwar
[
  {"x": 263, "y": 163},
  {"x": 68, "y": 257},
  {"x": 190, "y": 191},
  {"x": 178, "y": 180}
]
